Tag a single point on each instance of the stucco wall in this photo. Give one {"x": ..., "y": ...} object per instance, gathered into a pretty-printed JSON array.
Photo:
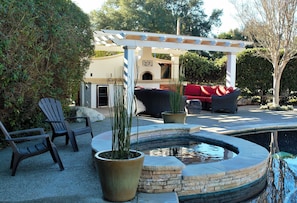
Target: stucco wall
[
  {"x": 104, "y": 71},
  {"x": 106, "y": 67}
]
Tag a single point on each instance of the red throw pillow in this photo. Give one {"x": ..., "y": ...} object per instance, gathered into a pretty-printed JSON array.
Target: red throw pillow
[
  {"x": 220, "y": 90},
  {"x": 229, "y": 90},
  {"x": 208, "y": 90},
  {"x": 192, "y": 89}
]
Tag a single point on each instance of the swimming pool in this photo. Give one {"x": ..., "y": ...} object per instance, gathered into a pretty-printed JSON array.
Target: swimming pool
[{"x": 282, "y": 168}]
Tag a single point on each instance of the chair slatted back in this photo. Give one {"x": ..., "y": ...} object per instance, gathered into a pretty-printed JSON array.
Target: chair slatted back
[{"x": 52, "y": 109}]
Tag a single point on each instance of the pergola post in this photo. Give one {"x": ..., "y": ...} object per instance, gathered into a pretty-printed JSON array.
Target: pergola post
[
  {"x": 175, "y": 72},
  {"x": 128, "y": 75},
  {"x": 231, "y": 70}
]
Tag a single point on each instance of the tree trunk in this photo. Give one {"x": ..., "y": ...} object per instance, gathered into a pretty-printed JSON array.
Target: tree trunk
[
  {"x": 277, "y": 75},
  {"x": 276, "y": 88}
]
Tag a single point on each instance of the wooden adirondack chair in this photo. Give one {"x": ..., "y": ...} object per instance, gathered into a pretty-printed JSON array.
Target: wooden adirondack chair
[
  {"x": 23, "y": 151},
  {"x": 52, "y": 109}
]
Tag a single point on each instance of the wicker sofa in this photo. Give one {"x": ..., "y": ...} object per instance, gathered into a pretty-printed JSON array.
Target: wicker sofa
[
  {"x": 153, "y": 101},
  {"x": 214, "y": 98}
]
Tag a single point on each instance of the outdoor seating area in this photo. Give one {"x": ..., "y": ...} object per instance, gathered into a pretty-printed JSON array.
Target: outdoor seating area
[
  {"x": 52, "y": 109},
  {"x": 217, "y": 98},
  {"x": 214, "y": 98}
]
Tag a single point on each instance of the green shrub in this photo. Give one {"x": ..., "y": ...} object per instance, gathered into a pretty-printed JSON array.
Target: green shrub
[
  {"x": 200, "y": 69},
  {"x": 44, "y": 52},
  {"x": 105, "y": 53},
  {"x": 253, "y": 73},
  {"x": 272, "y": 107}
]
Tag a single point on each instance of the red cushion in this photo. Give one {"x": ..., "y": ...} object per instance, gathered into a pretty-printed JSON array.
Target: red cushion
[
  {"x": 208, "y": 90},
  {"x": 192, "y": 89},
  {"x": 190, "y": 97}
]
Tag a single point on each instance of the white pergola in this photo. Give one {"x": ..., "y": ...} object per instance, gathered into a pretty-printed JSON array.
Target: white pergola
[{"x": 117, "y": 40}]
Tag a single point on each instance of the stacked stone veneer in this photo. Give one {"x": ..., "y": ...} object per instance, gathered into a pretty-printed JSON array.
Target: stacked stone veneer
[
  {"x": 221, "y": 181},
  {"x": 174, "y": 176},
  {"x": 164, "y": 176},
  {"x": 168, "y": 174}
]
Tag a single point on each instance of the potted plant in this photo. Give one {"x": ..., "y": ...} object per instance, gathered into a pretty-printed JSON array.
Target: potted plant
[
  {"x": 120, "y": 168},
  {"x": 177, "y": 103}
]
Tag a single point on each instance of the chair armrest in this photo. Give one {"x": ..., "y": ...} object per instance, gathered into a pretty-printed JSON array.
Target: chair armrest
[
  {"x": 232, "y": 95},
  {"x": 48, "y": 121},
  {"x": 79, "y": 117},
  {"x": 28, "y": 138},
  {"x": 32, "y": 130},
  {"x": 87, "y": 119},
  {"x": 226, "y": 102}
]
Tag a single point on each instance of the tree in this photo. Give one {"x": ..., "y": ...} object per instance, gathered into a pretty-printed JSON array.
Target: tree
[
  {"x": 271, "y": 24},
  {"x": 155, "y": 16},
  {"x": 193, "y": 19},
  {"x": 235, "y": 34},
  {"x": 135, "y": 15},
  {"x": 44, "y": 52}
]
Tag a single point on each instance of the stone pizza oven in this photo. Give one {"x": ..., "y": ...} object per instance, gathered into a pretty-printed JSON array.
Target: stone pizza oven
[{"x": 148, "y": 67}]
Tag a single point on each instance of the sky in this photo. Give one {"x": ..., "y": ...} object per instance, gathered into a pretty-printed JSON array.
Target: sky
[{"x": 228, "y": 19}]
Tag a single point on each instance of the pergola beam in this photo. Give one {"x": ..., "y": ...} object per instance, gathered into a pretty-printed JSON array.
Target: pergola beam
[{"x": 140, "y": 39}]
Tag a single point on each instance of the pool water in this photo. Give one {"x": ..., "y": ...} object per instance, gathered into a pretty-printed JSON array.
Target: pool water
[
  {"x": 187, "y": 150},
  {"x": 282, "y": 169},
  {"x": 281, "y": 182}
]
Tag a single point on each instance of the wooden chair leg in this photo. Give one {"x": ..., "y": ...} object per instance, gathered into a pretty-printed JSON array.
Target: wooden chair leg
[
  {"x": 15, "y": 164},
  {"x": 57, "y": 158},
  {"x": 73, "y": 142},
  {"x": 66, "y": 139},
  {"x": 55, "y": 155},
  {"x": 12, "y": 159}
]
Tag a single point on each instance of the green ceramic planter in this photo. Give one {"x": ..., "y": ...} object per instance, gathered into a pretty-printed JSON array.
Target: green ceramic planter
[
  {"x": 119, "y": 178},
  {"x": 169, "y": 117}
]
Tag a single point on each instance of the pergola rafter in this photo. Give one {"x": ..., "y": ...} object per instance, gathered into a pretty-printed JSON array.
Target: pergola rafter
[{"x": 166, "y": 41}]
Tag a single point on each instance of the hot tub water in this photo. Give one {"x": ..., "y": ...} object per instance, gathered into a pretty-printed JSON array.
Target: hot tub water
[{"x": 187, "y": 150}]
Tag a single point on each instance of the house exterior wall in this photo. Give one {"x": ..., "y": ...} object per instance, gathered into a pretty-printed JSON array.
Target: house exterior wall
[
  {"x": 88, "y": 95},
  {"x": 105, "y": 71},
  {"x": 106, "y": 67}
]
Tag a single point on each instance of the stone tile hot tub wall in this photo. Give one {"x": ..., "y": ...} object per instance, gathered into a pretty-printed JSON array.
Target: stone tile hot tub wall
[{"x": 167, "y": 174}]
